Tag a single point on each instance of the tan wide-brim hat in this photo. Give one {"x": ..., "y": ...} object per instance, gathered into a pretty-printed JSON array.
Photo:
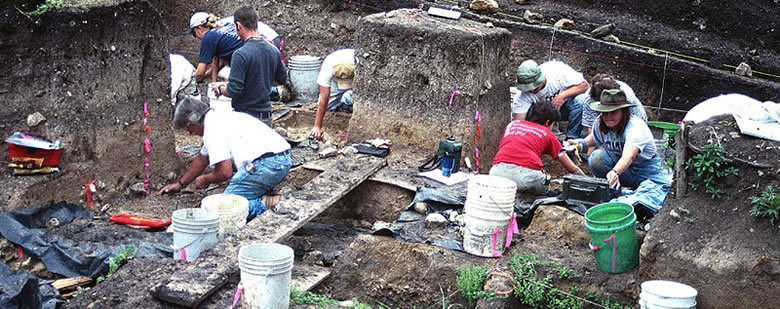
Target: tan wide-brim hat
[
  {"x": 611, "y": 100},
  {"x": 344, "y": 74}
]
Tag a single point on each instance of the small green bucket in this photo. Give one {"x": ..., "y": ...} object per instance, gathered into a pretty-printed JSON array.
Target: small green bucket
[
  {"x": 668, "y": 127},
  {"x": 613, "y": 237}
]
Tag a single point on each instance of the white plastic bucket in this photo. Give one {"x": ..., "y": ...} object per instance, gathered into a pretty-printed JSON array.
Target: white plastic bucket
[
  {"x": 218, "y": 102},
  {"x": 663, "y": 294},
  {"x": 490, "y": 202},
  {"x": 194, "y": 231},
  {"x": 266, "y": 274},
  {"x": 232, "y": 210},
  {"x": 304, "y": 70}
]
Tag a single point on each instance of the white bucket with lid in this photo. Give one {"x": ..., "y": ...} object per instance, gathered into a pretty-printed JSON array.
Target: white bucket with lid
[
  {"x": 218, "y": 102},
  {"x": 490, "y": 202},
  {"x": 663, "y": 294},
  {"x": 266, "y": 275},
  {"x": 194, "y": 231},
  {"x": 304, "y": 70},
  {"x": 232, "y": 210}
]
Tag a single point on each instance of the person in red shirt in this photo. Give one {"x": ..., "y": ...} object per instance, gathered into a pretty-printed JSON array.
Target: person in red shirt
[{"x": 519, "y": 156}]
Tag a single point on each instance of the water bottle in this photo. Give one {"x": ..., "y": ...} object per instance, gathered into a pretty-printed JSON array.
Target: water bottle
[{"x": 446, "y": 165}]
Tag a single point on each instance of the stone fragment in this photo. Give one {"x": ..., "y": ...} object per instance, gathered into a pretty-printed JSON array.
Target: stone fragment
[
  {"x": 421, "y": 208},
  {"x": 35, "y": 119},
  {"x": 612, "y": 38},
  {"x": 313, "y": 257},
  {"x": 532, "y": 18},
  {"x": 378, "y": 225},
  {"x": 484, "y": 6},
  {"x": 328, "y": 152},
  {"x": 565, "y": 24},
  {"x": 348, "y": 151},
  {"x": 435, "y": 220},
  {"x": 743, "y": 69},
  {"x": 603, "y": 31},
  {"x": 138, "y": 188}
]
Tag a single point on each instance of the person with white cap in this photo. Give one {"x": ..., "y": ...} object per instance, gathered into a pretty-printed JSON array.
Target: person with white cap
[
  {"x": 626, "y": 153},
  {"x": 230, "y": 138},
  {"x": 335, "y": 80},
  {"x": 554, "y": 82}
]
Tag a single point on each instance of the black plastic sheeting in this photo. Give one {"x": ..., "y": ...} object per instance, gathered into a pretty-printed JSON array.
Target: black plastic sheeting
[
  {"x": 27, "y": 228},
  {"x": 20, "y": 289}
]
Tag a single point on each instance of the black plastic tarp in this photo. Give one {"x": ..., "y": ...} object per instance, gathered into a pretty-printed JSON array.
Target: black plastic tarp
[
  {"x": 27, "y": 228},
  {"x": 20, "y": 289}
]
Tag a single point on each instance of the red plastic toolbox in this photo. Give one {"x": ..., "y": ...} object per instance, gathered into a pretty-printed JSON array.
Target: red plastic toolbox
[{"x": 50, "y": 157}]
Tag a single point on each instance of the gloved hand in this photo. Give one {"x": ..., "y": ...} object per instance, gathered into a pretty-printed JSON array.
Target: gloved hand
[{"x": 578, "y": 144}]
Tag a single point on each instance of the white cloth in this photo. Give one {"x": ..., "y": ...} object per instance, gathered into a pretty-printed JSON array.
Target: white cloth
[
  {"x": 262, "y": 28},
  {"x": 340, "y": 56},
  {"x": 231, "y": 135},
  {"x": 559, "y": 76},
  {"x": 737, "y": 105},
  {"x": 181, "y": 74}
]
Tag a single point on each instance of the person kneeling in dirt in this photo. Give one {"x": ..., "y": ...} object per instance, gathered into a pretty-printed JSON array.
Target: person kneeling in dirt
[
  {"x": 627, "y": 154},
  {"x": 599, "y": 83},
  {"x": 261, "y": 155},
  {"x": 256, "y": 66},
  {"x": 335, "y": 80},
  {"x": 519, "y": 156},
  {"x": 553, "y": 82}
]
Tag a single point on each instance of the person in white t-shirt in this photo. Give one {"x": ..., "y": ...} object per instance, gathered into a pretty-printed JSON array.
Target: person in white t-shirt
[
  {"x": 183, "y": 82},
  {"x": 554, "y": 82},
  {"x": 335, "y": 80},
  {"x": 230, "y": 138}
]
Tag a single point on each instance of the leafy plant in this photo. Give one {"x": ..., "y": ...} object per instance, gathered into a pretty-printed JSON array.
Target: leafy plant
[
  {"x": 710, "y": 167},
  {"x": 117, "y": 260},
  {"x": 766, "y": 204},
  {"x": 471, "y": 281},
  {"x": 302, "y": 297},
  {"x": 47, "y": 6},
  {"x": 670, "y": 162}
]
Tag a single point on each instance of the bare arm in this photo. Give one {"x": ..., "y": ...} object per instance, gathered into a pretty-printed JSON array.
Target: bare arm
[
  {"x": 222, "y": 171},
  {"x": 568, "y": 164},
  {"x": 202, "y": 71},
  {"x": 216, "y": 65},
  {"x": 629, "y": 154},
  {"x": 198, "y": 164},
  {"x": 321, "y": 108},
  {"x": 570, "y": 92}
]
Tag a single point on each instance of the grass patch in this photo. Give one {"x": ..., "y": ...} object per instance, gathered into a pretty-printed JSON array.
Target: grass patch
[
  {"x": 117, "y": 260},
  {"x": 766, "y": 204},
  {"x": 471, "y": 282}
]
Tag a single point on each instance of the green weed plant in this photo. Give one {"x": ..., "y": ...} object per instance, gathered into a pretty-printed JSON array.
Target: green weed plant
[
  {"x": 471, "y": 282},
  {"x": 710, "y": 167},
  {"x": 117, "y": 260},
  {"x": 766, "y": 204}
]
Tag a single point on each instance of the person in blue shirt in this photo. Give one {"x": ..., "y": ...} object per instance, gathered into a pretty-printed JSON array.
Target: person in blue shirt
[{"x": 218, "y": 42}]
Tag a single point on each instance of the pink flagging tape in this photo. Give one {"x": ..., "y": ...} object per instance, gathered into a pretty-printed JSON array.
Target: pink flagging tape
[
  {"x": 237, "y": 295},
  {"x": 183, "y": 252},
  {"x": 147, "y": 145},
  {"x": 146, "y": 109},
  {"x": 612, "y": 238},
  {"x": 455, "y": 92},
  {"x": 494, "y": 242},
  {"x": 511, "y": 230}
]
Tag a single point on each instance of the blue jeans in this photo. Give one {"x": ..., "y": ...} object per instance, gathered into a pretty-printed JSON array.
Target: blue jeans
[
  {"x": 255, "y": 179},
  {"x": 342, "y": 101},
  {"x": 571, "y": 110},
  {"x": 652, "y": 183}
]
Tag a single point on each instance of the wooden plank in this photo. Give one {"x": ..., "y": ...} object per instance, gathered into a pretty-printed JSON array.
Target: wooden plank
[
  {"x": 405, "y": 179},
  {"x": 71, "y": 283},
  {"x": 681, "y": 145},
  {"x": 191, "y": 285},
  {"x": 305, "y": 276}
]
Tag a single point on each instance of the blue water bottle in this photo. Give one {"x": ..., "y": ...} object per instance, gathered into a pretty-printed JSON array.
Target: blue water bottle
[{"x": 446, "y": 165}]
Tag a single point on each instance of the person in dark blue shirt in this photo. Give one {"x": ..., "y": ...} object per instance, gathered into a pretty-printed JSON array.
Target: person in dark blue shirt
[
  {"x": 218, "y": 42},
  {"x": 254, "y": 69}
]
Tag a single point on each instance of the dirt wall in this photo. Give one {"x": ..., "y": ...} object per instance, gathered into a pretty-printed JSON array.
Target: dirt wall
[
  {"x": 409, "y": 66},
  {"x": 88, "y": 71}
]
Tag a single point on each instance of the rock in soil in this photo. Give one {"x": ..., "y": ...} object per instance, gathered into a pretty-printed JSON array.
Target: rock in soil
[
  {"x": 533, "y": 18},
  {"x": 484, "y": 6},
  {"x": 565, "y": 24}
]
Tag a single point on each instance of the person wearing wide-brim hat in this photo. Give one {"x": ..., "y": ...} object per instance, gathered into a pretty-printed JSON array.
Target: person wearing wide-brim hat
[
  {"x": 627, "y": 154},
  {"x": 551, "y": 82}
]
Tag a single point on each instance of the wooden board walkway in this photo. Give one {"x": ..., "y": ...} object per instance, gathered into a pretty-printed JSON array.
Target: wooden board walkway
[{"x": 191, "y": 285}]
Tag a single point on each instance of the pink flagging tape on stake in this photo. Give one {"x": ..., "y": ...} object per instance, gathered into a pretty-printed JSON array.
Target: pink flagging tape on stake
[
  {"x": 147, "y": 145},
  {"x": 494, "y": 240},
  {"x": 592, "y": 247},
  {"x": 455, "y": 92},
  {"x": 612, "y": 238},
  {"x": 146, "y": 109},
  {"x": 511, "y": 230},
  {"x": 183, "y": 253},
  {"x": 237, "y": 295}
]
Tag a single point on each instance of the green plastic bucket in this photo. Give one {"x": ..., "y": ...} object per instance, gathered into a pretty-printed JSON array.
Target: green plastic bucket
[
  {"x": 668, "y": 127},
  {"x": 613, "y": 237}
]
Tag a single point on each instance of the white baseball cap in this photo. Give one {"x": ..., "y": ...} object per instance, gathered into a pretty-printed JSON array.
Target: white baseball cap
[{"x": 197, "y": 19}]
